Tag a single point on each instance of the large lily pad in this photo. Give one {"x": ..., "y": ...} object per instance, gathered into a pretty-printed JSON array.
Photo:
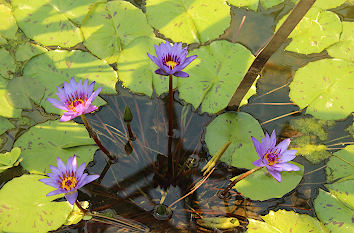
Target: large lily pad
[
  {"x": 237, "y": 127},
  {"x": 344, "y": 191},
  {"x": 344, "y": 48},
  {"x": 24, "y": 206},
  {"x": 253, "y": 4},
  {"x": 43, "y": 143},
  {"x": 336, "y": 216},
  {"x": 7, "y": 109},
  {"x": 189, "y": 21},
  {"x": 7, "y": 64},
  {"x": 340, "y": 166},
  {"x": 46, "y": 21},
  {"x": 136, "y": 70},
  {"x": 109, "y": 28},
  {"x": 286, "y": 221},
  {"x": 323, "y": 87},
  {"x": 51, "y": 69},
  {"x": 262, "y": 186},
  {"x": 214, "y": 75},
  {"x": 8, "y": 26},
  {"x": 317, "y": 30}
]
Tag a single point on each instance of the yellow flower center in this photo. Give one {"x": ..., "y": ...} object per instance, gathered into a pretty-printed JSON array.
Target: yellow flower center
[
  {"x": 68, "y": 183},
  {"x": 272, "y": 157},
  {"x": 171, "y": 64}
]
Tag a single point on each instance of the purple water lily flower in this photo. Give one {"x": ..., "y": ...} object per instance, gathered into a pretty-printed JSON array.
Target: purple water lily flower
[
  {"x": 68, "y": 179},
  {"x": 171, "y": 59},
  {"x": 274, "y": 158},
  {"x": 75, "y": 99}
]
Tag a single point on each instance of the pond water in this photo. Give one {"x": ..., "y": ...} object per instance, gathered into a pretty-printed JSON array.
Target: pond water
[{"x": 140, "y": 179}]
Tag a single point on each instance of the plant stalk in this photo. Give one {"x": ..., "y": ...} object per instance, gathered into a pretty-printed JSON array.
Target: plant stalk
[
  {"x": 94, "y": 137},
  {"x": 80, "y": 207},
  {"x": 170, "y": 106},
  {"x": 232, "y": 184}
]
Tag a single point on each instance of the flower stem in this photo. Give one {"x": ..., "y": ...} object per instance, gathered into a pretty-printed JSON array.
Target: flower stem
[
  {"x": 170, "y": 107},
  {"x": 131, "y": 135},
  {"x": 232, "y": 184},
  {"x": 80, "y": 207},
  {"x": 94, "y": 137}
]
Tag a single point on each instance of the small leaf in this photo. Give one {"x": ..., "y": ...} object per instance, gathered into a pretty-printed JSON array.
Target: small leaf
[
  {"x": 340, "y": 166},
  {"x": 28, "y": 50},
  {"x": 8, "y": 26},
  {"x": 237, "y": 127},
  {"x": 7, "y": 64},
  {"x": 7, "y": 109},
  {"x": 77, "y": 215},
  {"x": 344, "y": 48},
  {"x": 5, "y": 125},
  {"x": 221, "y": 223},
  {"x": 9, "y": 158},
  {"x": 344, "y": 191}
]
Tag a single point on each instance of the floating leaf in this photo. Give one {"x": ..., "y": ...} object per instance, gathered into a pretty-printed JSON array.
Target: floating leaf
[
  {"x": 28, "y": 50},
  {"x": 340, "y": 166},
  {"x": 46, "y": 22},
  {"x": 344, "y": 191},
  {"x": 311, "y": 127},
  {"x": 325, "y": 4},
  {"x": 262, "y": 186},
  {"x": 136, "y": 70},
  {"x": 7, "y": 108},
  {"x": 5, "y": 125},
  {"x": 22, "y": 89},
  {"x": 189, "y": 21},
  {"x": 109, "y": 29},
  {"x": 221, "y": 223},
  {"x": 8, "y": 26},
  {"x": 333, "y": 213},
  {"x": 323, "y": 87},
  {"x": 214, "y": 75},
  {"x": 76, "y": 214},
  {"x": 7, "y": 64},
  {"x": 344, "y": 48},
  {"x": 43, "y": 143},
  {"x": 253, "y": 4},
  {"x": 317, "y": 30},
  {"x": 9, "y": 159},
  {"x": 24, "y": 206},
  {"x": 237, "y": 127},
  {"x": 51, "y": 69},
  {"x": 286, "y": 221},
  {"x": 315, "y": 153}
]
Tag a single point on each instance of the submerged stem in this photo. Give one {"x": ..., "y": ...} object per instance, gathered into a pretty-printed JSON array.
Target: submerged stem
[
  {"x": 232, "y": 184},
  {"x": 94, "y": 137}
]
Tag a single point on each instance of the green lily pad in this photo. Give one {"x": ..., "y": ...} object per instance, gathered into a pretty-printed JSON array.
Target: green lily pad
[
  {"x": 24, "y": 206},
  {"x": 317, "y": 30},
  {"x": 333, "y": 213},
  {"x": 262, "y": 186},
  {"x": 51, "y": 69},
  {"x": 7, "y": 64},
  {"x": 28, "y": 50},
  {"x": 8, "y": 26},
  {"x": 46, "y": 22},
  {"x": 22, "y": 89},
  {"x": 108, "y": 29},
  {"x": 43, "y": 143},
  {"x": 5, "y": 125},
  {"x": 340, "y": 166},
  {"x": 136, "y": 70},
  {"x": 323, "y": 87},
  {"x": 325, "y": 4},
  {"x": 214, "y": 75},
  {"x": 237, "y": 127},
  {"x": 286, "y": 221},
  {"x": 9, "y": 159},
  {"x": 189, "y": 21},
  {"x": 344, "y": 191},
  {"x": 253, "y": 4},
  {"x": 344, "y": 48},
  {"x": 7, "y": 108}
]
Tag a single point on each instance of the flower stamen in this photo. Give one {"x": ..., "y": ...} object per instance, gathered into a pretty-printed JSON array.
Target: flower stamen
[
  {"x": 68, "y": 183},
  {"x": 171, "y": 61},
  {"x": 272, "y": 157}
]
